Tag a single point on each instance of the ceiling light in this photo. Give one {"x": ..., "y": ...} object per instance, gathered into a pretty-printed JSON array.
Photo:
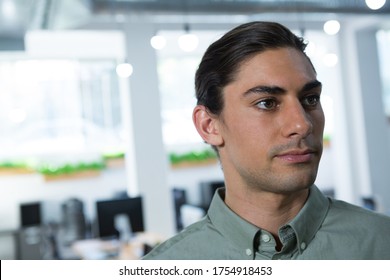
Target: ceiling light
[
  {"x": 8, "y": 9},
  {"x": 375, "y": 4},
  {"x": 158, "y": 42},
  {"x": 188, "y": 42},
  {"x": 331, "y": 27},
  {"x": 124, "y": 70}
]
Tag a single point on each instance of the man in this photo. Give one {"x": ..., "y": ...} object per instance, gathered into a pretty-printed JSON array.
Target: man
[{"x": 259, "y": 107}]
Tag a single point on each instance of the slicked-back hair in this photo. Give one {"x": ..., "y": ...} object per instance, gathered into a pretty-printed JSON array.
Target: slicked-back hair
[{"x": 222, "y": 59}]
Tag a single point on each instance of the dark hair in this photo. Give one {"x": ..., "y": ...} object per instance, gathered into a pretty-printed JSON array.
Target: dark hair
[{"x": 223, "y": 58}]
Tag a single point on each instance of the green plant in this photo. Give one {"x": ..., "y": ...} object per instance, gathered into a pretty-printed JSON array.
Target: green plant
[
  {"x": 193, "y": 156},
  {"x": 52, "y": 170},
  {"x": 117, "y": 155},
  {"x": 8, "y": 164}
]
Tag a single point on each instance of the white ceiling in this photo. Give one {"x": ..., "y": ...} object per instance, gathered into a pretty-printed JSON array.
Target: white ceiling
[{"x": 18, "y": 16}]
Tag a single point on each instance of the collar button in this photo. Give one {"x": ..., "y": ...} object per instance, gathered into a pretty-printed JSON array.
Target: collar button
[{"x": 265, "y": 238}]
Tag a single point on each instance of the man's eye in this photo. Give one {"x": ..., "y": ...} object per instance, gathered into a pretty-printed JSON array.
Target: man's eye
[
  {"x": 311, "y": 100},
  {"x": 267, "y": 104}
]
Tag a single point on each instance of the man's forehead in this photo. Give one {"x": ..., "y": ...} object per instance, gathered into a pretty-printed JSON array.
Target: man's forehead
[{"x": 275, "y": 68}]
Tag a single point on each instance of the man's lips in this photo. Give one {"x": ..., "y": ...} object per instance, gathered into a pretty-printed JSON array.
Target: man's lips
[{"x": 297, "y": 156}]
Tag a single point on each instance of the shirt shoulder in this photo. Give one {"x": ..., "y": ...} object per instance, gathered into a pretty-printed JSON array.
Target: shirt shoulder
[
  {"x": 185, "y": 245},
  {"x": 364, "y": 232},
  {"x": 350, "y": 232},
  {"x": 355, "y": 214}
]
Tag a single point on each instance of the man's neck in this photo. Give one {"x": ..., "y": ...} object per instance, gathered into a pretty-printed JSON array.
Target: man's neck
[{"x": 268, "y": 211}]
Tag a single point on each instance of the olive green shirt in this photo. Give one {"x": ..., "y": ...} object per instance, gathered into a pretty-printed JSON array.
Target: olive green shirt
[{"x": 325, "y": 228}]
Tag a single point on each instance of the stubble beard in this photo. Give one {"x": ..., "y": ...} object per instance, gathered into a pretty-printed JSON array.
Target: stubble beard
[
  {"x": 283, "y": 178},
  {"x": 274, "y": 182}
]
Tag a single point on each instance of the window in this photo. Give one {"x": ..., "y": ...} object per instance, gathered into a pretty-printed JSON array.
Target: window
[{"x": 58, "y": 106}]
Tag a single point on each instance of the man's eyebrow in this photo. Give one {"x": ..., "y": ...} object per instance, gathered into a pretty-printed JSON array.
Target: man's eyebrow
[
  {"x": 278, "y": 90},
  {"x": 265, "y": 89},
  {"x": 311, "y": 85}
]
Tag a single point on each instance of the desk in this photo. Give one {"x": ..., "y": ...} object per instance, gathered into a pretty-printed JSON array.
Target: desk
[{"x": 98, "y": 249}]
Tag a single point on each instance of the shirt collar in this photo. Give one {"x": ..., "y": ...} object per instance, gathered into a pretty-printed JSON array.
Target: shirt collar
[
  {"x": 309, "y": 219},
  {"x": 231, "y": 226}
]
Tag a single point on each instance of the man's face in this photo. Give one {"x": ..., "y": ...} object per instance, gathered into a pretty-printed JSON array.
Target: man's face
[{"x": 272, "y": 123}]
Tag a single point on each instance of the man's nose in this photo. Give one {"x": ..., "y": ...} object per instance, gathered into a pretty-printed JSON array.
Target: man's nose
[{"x": 296, "y": 121}]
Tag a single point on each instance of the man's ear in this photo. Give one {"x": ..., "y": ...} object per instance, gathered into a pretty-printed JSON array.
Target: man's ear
[{"x": 207, "y": 126}]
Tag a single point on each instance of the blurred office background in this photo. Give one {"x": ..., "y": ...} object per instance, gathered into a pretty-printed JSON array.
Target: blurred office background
[{"x": 98, "y": 150}]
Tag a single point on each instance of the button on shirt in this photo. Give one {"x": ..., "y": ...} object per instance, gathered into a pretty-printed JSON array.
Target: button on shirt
[{"x": 324, "y": 229}]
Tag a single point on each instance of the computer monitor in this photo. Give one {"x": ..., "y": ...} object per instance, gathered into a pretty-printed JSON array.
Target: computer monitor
[
  {"x": 30, "y": 214},
  {"x": 108, "y": 212},
  {"x": 179, "y": 199}
]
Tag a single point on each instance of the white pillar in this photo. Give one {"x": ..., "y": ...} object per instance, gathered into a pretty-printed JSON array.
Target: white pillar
[
  {"x": 151, "y": 159},
  {"x": 351, "y": 169}
]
